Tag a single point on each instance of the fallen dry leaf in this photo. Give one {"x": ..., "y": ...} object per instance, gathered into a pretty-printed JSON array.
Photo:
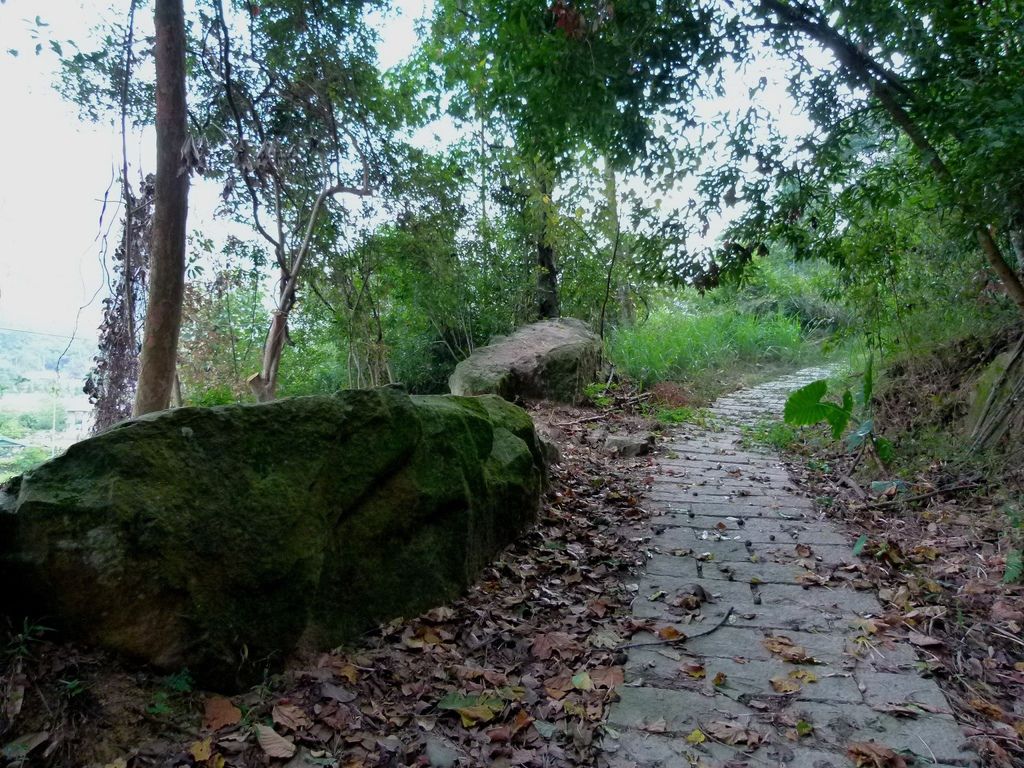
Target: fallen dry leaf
[
  {"x": 693, "y": 669},
  {"x": 550, "y": 643},
  {"x": 733, "y": 733},
  {"x": 219, "y": 712},
  {"x": 670, "y": 633},
  {"x": 653, "y": 726},
  {"x": 988, "y": 709},
  {"x": 291, "y": 717},
  {"x": 788, "y": 650},
  {"x": 868, "y": 754},
  {"x": 784, "y": 685},
  {"x": 607, "y": 677},
  {"x": 274, "y": 744},
  {"x": 202, "y": 751},
  {"x": 923, "y": 641}
]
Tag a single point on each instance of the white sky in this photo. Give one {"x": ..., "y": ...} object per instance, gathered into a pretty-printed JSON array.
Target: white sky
[{"x": 56, "y": 169}]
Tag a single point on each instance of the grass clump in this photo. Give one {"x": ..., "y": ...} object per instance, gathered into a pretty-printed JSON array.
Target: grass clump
[
  {"x": 681, "y": 345},
  {"x": 775, "y": 434}
]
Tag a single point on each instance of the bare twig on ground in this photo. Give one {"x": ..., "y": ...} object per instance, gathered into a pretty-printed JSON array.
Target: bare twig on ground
[
  {"x": 681, "y": 639},
  {"x": 922, "y": 496}
]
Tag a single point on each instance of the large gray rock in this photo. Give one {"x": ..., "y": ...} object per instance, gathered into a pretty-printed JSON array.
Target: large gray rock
[
  {"x": 219, "y": 538},
  {"x": 549, "y": 360}
]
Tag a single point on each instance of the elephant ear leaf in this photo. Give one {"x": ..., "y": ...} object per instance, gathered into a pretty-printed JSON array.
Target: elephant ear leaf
[{"x": 805, "y": 406}]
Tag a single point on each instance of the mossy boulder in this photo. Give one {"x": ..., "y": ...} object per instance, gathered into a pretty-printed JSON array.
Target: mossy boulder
[
  {"x": 549, "y": 360},
  {"x": 222, "y": 538}
]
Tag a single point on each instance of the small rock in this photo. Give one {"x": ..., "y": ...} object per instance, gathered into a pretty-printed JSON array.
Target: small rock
[
  {"x": 440, "y": 752},
  {"x": 627, "y": 446}
]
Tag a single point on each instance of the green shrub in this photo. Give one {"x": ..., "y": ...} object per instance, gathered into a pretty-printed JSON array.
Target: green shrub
[
  {"x": 676, "y": 345},
  {"x": 44, "y": 418},
  {"x": 21, "y": 461}
]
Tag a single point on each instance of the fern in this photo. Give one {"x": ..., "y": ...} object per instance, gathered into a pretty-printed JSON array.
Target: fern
[{"x": 1014, "y": 570}]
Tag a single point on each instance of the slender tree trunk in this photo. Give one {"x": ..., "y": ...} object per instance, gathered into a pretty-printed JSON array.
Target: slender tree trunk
[
  {"x": 613, "y": 233},
  {"x": 547, "y": 279},
  {"x": 264, "y": 383},
  {"x": 547, "y": 274},
  {"x": 170, "y": 211}
]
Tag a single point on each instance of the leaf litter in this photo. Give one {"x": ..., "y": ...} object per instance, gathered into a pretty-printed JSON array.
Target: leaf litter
[{"x": 519, "y": 672}]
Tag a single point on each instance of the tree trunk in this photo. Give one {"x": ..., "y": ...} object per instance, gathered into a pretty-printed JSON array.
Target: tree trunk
[
  {"x": 547, "y": 279},
  {"x": 170, "y": 212},
  {"x": 613, "y": 233},
  {"x": 547, "y": 275},
  {"x": 887, "y": 88},
  {"x": 264, "y": 383}
]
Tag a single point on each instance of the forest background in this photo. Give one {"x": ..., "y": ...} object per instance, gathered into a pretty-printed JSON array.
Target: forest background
[{"x": 718, "y": 193}]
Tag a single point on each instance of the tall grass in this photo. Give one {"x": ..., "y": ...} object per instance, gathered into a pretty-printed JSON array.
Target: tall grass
[{"x": 675, "y": 345}]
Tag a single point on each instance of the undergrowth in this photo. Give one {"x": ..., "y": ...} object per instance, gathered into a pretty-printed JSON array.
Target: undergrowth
[{"x": 683, "y": 345}]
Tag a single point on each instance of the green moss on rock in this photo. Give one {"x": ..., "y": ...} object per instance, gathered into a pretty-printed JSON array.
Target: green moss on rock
[{"x": 218, "y": 538}]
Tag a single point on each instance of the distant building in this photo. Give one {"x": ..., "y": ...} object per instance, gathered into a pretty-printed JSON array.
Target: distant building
[
  {"x": 80, "y": 417},
  {"x": 9, "y": 447}
]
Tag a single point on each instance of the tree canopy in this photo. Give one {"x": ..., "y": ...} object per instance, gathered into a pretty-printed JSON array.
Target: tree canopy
[{"x": 593, "y": 147}]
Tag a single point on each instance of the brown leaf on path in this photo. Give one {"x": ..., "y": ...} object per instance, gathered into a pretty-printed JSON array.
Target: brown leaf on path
[
  {"x": 521, "y": 721},
  {"x": 923, "y": 641},
  {"x": 499, "y": 735},
  {"x": 802, "y": 550},
  {"x": 898, "y": 710},
  {"x": 693, "y": 669},
  {"x": 788, "y": 650},
  {"x": 988, "y": 709},
  {"x": 219, "y": 712},
  {"x": 273, "y": 744},
  {"x": 810, "y": 579},
  {"x": 291, "y": 717},
  {"x": 784, "y": 685},
  {"x": 550, "y": 643},
  {"x": 868, "y": 754},
  {"x": 559, "y": 686},
  {"x": 732, "y": 733},
  {"x": 671, "y": 633},
  {"x": 607, "y": 677}
]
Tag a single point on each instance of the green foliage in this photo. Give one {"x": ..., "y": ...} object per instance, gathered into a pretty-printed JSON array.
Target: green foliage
[
  {"x": 776, "y": 434},
  {"x": 173, "y": 692},
  {"x": 20, "y": 645},
  {"x": 680, "y": 415},
  {"x": 678, "y": 343},
  {"x": 1014, "y": 571},
  {"x": 805, "y": 407},
  {"x": 11, "y": 426},
  {"x": 600, "y": 393},
  {"x": 683, "y": 415},
  {"x": 21, "y": 461},
  {"x": 54, "y": 417},
  {"x": 24, "y": 354}
]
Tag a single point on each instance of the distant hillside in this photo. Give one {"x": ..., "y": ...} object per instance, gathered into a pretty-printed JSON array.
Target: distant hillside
[{"x": 28, "y": 355}]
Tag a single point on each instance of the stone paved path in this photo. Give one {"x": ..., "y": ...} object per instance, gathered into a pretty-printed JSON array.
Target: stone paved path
[{"x": 729, "y": 520}]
